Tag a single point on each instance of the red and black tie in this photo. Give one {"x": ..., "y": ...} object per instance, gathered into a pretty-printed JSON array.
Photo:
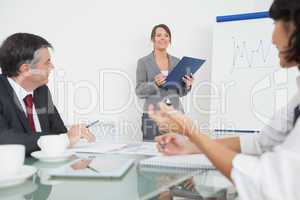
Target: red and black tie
[{"x": 28, "y": 100}]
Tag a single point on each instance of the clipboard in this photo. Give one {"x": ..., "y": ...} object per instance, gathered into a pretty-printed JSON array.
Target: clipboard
[
  {"x": 94, "y": 168},
  {"x": 186, "y": 66}
]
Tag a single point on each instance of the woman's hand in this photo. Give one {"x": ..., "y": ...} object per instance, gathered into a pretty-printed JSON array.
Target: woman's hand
[
  {"x": 220, "y": 155},
  {"x": 175, "y": 144},
  {"x": 171, "y": 119},
  {"x": 189, "y": 184},
  {"x": 188, "y": 80},
  {"x": 165, "y": 124},
  {"x": 160, "y": 79}
]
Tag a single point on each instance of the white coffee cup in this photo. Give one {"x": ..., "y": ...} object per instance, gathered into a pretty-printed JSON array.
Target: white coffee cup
[
  {"x": 53, "y": 145},
  {"x": 11, "y": 159}
]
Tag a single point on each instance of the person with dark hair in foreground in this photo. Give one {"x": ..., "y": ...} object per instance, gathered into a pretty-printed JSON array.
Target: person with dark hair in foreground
[
  {"x": 262, "y": 166},
  {"x": 26, "y": 108}
]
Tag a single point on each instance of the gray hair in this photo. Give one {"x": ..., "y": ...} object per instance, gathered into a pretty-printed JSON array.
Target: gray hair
[{"x": 36, "y": 58}]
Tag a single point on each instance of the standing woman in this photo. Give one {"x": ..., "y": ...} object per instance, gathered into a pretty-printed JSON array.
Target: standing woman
[{"x": 151, "y": 74}]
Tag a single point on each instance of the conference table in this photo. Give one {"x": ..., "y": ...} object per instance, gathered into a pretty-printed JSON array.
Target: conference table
[{"x": 137, "y": 183}]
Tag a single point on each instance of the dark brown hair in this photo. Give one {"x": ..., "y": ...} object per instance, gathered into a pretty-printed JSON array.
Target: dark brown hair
[
  {"x": 163, "y": 26},
  {"x": 289, "y": 11},
  {"x": 17, "y": 49}
]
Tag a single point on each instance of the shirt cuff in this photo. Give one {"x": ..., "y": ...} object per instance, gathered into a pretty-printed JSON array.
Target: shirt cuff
[{"x": 249, "y": 145}]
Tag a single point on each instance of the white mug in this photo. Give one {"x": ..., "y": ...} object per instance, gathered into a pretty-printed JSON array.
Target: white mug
[
  {"x": 11, "y": 159},
  {"x": 53, "y": 145}
]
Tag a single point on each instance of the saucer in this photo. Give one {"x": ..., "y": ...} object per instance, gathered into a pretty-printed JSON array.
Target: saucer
[
  {"x": 45, "y": 178},
  {"x": 45, "y": 158},
  {"x": 18, "y": 191},
  {"x": 18, "y": 178}
]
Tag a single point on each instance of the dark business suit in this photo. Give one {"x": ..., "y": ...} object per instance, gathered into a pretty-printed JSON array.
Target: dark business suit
[{"x": 14, "y": 127}]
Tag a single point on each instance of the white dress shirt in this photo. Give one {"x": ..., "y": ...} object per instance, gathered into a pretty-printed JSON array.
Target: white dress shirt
[
  {"x": 21, "y": 94},
  {"x": 269, "y": 165}
]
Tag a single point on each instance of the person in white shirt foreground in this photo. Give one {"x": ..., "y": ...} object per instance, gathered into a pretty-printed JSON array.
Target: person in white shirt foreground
[{"x": 262, "y": 166}]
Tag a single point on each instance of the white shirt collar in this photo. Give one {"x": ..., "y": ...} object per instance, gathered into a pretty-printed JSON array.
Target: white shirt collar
[
  {"x": 19, "y": 90},
  {"x": 21, "y": 93}
]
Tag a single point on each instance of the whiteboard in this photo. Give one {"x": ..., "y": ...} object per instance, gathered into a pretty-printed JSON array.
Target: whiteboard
[{"x": 247, "y": 85}]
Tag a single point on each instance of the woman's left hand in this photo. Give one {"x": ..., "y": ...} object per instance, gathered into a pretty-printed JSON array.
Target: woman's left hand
[
  {"x": 168, "y": 115},
  {"x": 188, "y": 80},
  {"x": 189, "y": 184}
]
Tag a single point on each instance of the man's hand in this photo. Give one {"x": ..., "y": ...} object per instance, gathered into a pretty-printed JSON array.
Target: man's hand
[{"x": 76, "y": 132}]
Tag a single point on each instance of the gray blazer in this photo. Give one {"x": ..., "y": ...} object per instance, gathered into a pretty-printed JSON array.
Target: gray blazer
[{"x": 146, "y": 88}]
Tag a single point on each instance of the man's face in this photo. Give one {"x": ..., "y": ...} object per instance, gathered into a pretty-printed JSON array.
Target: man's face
[{"x": 39, "y": 73}]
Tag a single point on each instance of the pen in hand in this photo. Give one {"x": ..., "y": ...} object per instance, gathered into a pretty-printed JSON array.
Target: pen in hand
[
  {"x": 162, "y": 146},
  {"x": 92, "y": 124}
]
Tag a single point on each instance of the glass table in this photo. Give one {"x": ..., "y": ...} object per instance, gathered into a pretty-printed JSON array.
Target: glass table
[{"x": 137, "y": 183}]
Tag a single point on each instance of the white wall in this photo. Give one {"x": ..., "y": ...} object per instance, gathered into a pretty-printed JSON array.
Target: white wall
[{"x": 91, "y": 36}]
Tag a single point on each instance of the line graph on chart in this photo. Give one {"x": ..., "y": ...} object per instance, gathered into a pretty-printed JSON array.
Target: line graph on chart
[{"x": 252, "y": 54}]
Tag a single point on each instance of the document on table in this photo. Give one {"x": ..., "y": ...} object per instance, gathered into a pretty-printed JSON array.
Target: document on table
[
  {"x": 96, "y": 147},
  {"x": 141, "y": 148},
  {"x": 138, "y": 148},
  {"x": 194, "y": 161}
]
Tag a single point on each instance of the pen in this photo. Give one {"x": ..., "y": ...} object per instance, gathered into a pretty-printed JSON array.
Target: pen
[
  {"x": 92, "y": 124},
  {"x": 237, "y": 130},
  {"x": 93, "y": 169},
  {"x": 162, "y": 145}
]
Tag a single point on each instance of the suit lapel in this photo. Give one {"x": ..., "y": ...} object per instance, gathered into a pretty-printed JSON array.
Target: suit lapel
[
  {"x": 172, "y": 63},
  {"x": 153, "y": 63},
  {"x": 17, "y": 105}
]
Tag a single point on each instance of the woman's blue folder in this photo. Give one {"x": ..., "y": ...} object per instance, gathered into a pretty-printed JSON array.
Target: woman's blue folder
[{"x": 186, "y": 66}]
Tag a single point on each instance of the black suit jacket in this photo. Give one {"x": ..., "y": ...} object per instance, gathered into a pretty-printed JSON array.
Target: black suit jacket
[{"x": 14, "y": 127}]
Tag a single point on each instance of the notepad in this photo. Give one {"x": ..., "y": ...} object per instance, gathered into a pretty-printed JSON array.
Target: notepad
[
  {"x": 96, "y": 167},
  {"x": 194, "y": 161}
]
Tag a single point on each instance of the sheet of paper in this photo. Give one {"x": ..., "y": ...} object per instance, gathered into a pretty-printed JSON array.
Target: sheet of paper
[
  {"x": 194, "y": 161},
  {"x": 142, "y": 148},
  {"x": 97, "y": 147}
]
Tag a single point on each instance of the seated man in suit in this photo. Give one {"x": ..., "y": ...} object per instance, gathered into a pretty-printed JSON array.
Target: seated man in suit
[{"x": 26, "y": 108}]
